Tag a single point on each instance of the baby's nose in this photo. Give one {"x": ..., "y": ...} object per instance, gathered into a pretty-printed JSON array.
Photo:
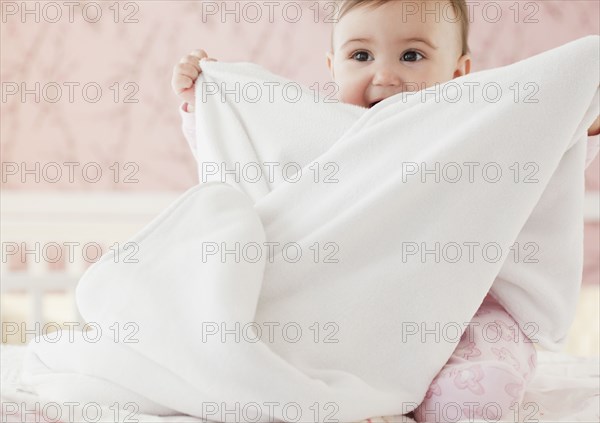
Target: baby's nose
[{"x": 387, "y": 76}]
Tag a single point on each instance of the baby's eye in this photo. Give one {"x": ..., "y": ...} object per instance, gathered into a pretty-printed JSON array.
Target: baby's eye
[
  {"x": 411, "y": 56},
  {"x": 362, "y": 54}
]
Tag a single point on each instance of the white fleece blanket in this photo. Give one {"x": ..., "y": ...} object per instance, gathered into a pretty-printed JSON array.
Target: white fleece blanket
[{"x": 360, "y": 324}]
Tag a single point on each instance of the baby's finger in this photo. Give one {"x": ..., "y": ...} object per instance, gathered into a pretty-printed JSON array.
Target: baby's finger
[
  {"x": 196, "y": 55},
  {"x": 193, "y": 60},
  {"x": 187, "y": 69},
  {"x": 182, "y": 83},
  {"x": 206, "y": 59},
  {"x": 199, "y": 53},
  {"x": 190, "y": 61}
]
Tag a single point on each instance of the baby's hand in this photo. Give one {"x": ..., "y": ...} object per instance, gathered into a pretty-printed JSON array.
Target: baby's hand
[{"x": 185, "y": 74}]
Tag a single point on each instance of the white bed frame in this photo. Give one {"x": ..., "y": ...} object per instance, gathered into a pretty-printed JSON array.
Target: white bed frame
[{"x": 86, "y": 217}]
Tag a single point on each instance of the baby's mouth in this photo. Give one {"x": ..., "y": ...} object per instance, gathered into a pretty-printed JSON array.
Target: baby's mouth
[{"x": 372, "y": 104}]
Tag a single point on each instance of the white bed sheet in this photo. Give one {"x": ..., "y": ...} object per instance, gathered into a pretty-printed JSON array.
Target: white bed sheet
[{"x": 565, "y": 388}]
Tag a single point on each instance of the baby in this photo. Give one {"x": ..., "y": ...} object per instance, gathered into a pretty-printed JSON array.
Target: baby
[{"x": 378, "y": 50}]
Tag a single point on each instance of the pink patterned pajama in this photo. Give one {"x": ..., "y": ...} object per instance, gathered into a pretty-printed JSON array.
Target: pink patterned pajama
[{"x": 487, "y": 373}]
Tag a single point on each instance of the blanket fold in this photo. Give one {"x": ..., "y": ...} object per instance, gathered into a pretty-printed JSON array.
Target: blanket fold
[{"x": 330, "y": 260}]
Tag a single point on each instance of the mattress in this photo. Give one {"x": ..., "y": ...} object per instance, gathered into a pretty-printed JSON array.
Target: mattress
[{"x": 565, "y": 388}]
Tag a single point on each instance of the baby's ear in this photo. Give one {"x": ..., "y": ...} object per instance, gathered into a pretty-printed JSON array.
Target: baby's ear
[
  {"x": 329, "y": 60},
  {"x": 463, "y": 67}
]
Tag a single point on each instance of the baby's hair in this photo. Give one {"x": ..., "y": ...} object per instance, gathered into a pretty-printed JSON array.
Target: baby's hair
[{"x": 459, "y": 7}]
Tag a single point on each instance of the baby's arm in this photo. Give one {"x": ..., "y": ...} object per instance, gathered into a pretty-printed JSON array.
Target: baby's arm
[
  {"x": 188, "y": 126},
  {"x": 595, "y": 128},
  {"x": 185, "y": 74},
  {"x": 593, "y": 146}
]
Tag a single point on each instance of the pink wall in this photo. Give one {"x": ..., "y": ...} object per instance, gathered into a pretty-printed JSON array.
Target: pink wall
[{"x": 138, "y": 56}]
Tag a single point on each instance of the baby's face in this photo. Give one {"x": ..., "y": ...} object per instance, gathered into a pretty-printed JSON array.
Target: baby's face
[{"x": 378, "y": 51}]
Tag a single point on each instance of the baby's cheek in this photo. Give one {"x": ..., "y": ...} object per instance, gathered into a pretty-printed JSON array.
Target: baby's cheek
[
  {"x": 441, "y": 76},
  {"x": 351, "y": 94}
]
